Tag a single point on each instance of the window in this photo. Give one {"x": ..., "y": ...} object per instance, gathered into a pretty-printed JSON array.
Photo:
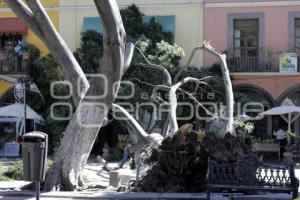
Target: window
[
  {"x": 95, "y": 23},
  {"x": 92, "y": 23},
  {"x": 297, "y": 34},
  {"x": 12, "y": 31},
  {"x": 166, "y": 21},
  {"x": 245, "y": 38},
  {"x": 9, "y": 40}
]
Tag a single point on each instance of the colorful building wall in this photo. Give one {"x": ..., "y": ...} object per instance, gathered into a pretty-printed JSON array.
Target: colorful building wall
[
  {"x": 275, "y": 26},
  {"x": 188, "y": 19},
  {"x": 275, "y": 32},
  {"x": 53, "y": 12}
]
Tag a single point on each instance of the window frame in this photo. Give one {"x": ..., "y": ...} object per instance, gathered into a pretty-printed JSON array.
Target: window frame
[
  {"x": 246, "y": 38},
  {"x": 295, "y": 35}
]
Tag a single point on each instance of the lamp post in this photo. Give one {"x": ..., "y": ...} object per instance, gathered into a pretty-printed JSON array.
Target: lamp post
[
  {"x": 20, "y": 96},
  {"x": 24, "y": 100}
]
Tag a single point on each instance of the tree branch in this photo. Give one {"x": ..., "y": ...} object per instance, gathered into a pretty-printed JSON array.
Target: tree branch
[
  {"x": 119, "y": 111},
  {"x": 35, "y": 16},
  {"x": 227, "y": 82},
  {"x": 196, "y": 101},
  {"x": 173, "y": 103},
  {"x": 148, "y": 64},
  {"x": 228, "y": 88},
  {"x": 128, "y": 56}
]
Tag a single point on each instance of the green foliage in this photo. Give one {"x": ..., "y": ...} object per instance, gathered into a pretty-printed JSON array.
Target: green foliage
[
  {"x": 292, "y": 134},
  {"x": 43, "y": 72},
  {"x": 3, "y": 177},
  {"x": 90, "y": 51},
  {"x": 15, "y": 171},
  {"x": 49, "y": 164},
  {"x": 216, "y": 69},
  {"x": 263, "y": 141},
  {"x": 166, "y": 55},
  {"x": 243, "y": 129},
  {"x": 32, "y": 50},
  {"x": 214, "y": 84},
  {"x": 132, "y": 21},
  {"x": 136, "y": 29}
]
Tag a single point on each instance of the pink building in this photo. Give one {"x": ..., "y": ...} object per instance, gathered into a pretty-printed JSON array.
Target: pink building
[{"x": 254, "y": 34}]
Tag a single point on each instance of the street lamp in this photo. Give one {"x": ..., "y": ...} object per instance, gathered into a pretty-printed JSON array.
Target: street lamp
[{"x": 20, "y": 95}]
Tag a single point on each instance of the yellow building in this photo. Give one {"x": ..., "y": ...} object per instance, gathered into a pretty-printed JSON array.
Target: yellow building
[
  {"x": 19, "y": 28},
  {"x": 13, "y": 30},
  {"x": 71, "y": 17},
  {"x": 182, "y": 17}
]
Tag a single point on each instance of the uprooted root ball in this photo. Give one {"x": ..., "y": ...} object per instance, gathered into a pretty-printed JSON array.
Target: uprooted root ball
[{"x": 180, "y": 163}]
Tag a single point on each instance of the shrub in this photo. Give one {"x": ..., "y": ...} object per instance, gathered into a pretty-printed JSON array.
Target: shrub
[
  {"x": 15, "y": 171},
  {"x": 3, "y": 177}
]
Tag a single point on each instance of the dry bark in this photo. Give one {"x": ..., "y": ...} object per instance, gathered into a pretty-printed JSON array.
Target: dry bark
[{"x": 78, "y": 140}]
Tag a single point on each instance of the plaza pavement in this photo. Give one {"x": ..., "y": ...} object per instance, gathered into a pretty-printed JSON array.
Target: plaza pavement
[
  {"x": 98, "y": 177},
  {"x": 137, "y": 196}
]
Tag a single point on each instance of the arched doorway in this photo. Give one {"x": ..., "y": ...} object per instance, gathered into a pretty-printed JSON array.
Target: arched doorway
[
  {"x": 256, "y": 94},
  {"x": 292, "y": 93}
]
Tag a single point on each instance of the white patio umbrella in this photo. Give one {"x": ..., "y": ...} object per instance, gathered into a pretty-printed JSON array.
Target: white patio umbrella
[
  {"x": 17, "y": 110},
  {"x": 289, "y": 112}
]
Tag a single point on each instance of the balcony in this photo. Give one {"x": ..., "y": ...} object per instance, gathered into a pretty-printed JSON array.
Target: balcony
[
  {"x": 259, "y": 63},
  {"x": 13, "y": 64}
]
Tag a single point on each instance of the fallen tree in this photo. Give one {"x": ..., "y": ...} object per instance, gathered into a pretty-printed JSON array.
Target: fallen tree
[
  {"x": 91, "y": 112},
  {"x": 180, "y": 163}
]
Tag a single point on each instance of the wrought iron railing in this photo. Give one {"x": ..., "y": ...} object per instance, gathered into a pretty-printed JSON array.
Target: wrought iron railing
[
  {"x": 13, "y": 64},
  {"x": 260, "y": 63}
]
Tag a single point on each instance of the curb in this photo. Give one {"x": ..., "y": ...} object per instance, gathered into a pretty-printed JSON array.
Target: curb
[{"x": 143, "y": 196}]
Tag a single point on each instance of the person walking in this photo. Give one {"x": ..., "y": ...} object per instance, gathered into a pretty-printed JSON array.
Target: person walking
[{"x": 280, "y": 136}]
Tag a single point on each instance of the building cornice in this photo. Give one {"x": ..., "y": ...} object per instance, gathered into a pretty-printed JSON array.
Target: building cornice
[
  {"x": 252, "y": 4},
  {"x": 201, "y": 5},
  {"x": 92, "y": 6},
  {"x": 244, "y": 74}
]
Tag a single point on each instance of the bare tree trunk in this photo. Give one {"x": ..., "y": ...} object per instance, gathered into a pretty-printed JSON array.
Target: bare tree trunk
[
  {"x": 228, "y": 118},
  {"x": 173, "y": 103},
  {"x": 83, "y": 128},
  {"x": 70, "y": 157}
]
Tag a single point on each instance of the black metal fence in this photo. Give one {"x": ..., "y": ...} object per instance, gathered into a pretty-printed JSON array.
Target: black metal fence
[
  {"x": 260, "y": 63},
  {"x": 13, "y": 64}
]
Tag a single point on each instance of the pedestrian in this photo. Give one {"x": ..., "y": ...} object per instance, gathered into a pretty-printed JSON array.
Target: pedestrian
[
  {"x": 280, "y": 136},
  {"x": 18, "y": 53},
  {"x": 128, "y": 153}
]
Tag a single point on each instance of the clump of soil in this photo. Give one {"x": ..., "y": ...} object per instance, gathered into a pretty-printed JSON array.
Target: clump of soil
[{"x": 180, "y": 163}]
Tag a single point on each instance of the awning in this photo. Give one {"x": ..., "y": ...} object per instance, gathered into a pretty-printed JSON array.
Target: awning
[
  {"x": 17, "y": 110},
  {"x": 12, "y": 26},
  {"x": 92, "y": 23}
]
